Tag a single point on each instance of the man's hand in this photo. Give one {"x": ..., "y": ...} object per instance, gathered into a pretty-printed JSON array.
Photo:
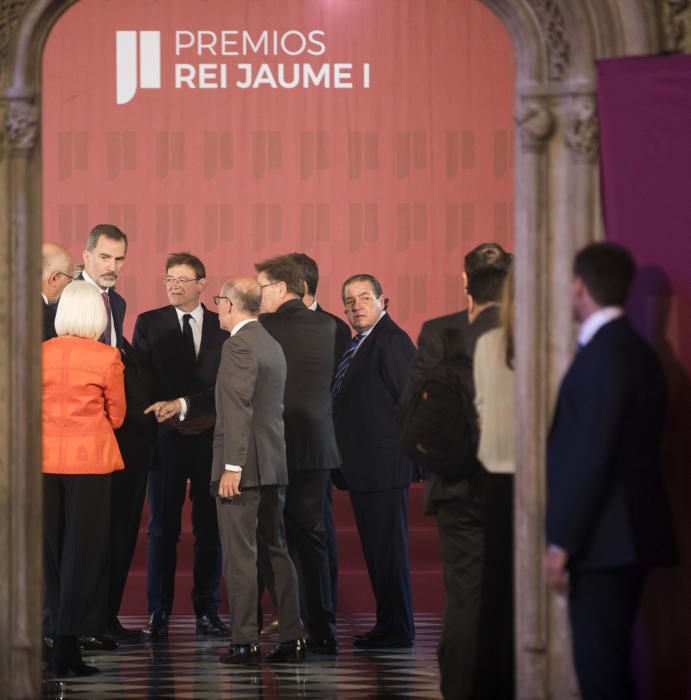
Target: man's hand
[
  {"x": 165, "y": 410},
  {"x": 556, "y": 575},
  {"x": 229, "y": 485}
]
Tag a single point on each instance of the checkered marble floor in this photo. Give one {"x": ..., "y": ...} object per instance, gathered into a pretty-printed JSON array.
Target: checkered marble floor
[{"x": 186, "y": 666}]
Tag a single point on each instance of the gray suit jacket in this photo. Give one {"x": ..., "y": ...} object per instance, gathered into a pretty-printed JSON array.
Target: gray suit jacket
[{"x": 249, "y": 409}]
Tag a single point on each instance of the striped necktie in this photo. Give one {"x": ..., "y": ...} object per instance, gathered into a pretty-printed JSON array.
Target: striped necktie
[{"x": 343, "y": 365}]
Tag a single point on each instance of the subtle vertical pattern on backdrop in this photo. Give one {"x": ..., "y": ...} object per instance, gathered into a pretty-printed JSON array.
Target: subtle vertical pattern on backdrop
[{"x": 400, "y": 179}]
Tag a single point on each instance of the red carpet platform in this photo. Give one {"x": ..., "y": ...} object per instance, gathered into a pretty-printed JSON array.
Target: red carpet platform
[{"x": 354, "y": 593}]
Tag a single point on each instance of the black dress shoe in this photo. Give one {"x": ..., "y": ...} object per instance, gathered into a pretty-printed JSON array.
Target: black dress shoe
[
  {"x": 68, "y": 659},
  {"x": 378, "y": 641},
  {"x": 117, "y": 631},
  {"x": 325, "y": 647},
  {"x": 157, "y": 626},
  {"x": 244, "y": 654},
  {"x": 364, "y": 636},
  {"x": 105, "y": 642},
  {"x": 294, "y": 651},
  {"x": 212, "y": 626}
]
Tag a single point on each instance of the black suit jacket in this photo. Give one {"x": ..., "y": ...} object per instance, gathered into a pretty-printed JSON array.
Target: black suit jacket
[
  {"x": 118, "y": 306},
  {"x": 606, "y": 504},
  {"x": 307, "y": 340},
  {"x": 429, "y": 353},
  {"x": 49, "y": 311},
  {"x": 367, "y": 412},
  {"x": 343, "y": 335},
  {"x": 158, "y": 341}
]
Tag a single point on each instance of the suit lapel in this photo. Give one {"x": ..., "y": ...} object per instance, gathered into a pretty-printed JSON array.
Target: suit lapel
[
  {"x": 209, "y": 325},
  {"x": 366, "y": 347}
]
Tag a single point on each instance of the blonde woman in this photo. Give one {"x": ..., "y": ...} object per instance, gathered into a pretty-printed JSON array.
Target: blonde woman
[
  {"x": 494, "y": 379},
  {"x": 83, "y": 401}
]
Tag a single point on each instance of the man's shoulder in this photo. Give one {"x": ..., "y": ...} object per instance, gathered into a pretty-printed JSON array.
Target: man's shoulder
[
  {"x": 456, "y": 320},
  {"x": 153, "y": 315},
  {"x": 340, "y": 323}
]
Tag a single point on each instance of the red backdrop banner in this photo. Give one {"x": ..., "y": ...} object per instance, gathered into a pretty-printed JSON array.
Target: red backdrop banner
[{"x": 374, "y": 135}]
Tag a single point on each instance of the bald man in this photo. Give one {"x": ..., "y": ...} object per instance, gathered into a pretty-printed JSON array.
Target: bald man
[{"x": 58, "y": 268}]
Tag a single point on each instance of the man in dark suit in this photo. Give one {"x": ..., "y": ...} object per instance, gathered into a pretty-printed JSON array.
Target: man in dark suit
[
  {"x": 181, "y": 345},
  {"x": 307, "y": 340},
  {"x": 250, "y": 474},
  {"x": 458, "y": 506},
  {"x": 103, "y": 257},
  {"x": 607, "y": 515},
  {"x": 366, "y": 392},
  {"x": 343, "y": 336},
  {"x": 56, "y": 274}
]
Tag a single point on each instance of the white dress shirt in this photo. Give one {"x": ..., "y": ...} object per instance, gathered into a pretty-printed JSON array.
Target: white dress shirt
[
  {"x": 595, "y": 321},
  {"x": 113, "y": 338}
]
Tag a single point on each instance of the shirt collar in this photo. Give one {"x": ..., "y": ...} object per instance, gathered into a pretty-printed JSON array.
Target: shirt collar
[
  {"x": 596, "y": 320},
  {"x": 240, "y": 325},
  {"x": 364, "y": 334},
  {"x": 313, "y": 305},
  {"x": 90, "y": 281},
  {"x": 197, "y": 314},
  {"x": 45, "y": 298}
]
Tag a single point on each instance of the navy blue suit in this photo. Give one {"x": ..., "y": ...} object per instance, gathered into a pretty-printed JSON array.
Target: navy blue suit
[
  {"x": 376, "y": 471},
  {"x": 606, "y": 504},
  {"x": 184, "y": 453}
]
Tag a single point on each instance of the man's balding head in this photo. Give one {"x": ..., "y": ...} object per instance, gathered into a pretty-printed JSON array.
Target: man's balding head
[
  {"x": 58, "y": 268},
  {"x": 245, "y": 292}
]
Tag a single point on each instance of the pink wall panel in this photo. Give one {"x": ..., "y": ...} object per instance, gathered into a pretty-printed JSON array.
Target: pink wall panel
[{"x": 400, "y": 179}]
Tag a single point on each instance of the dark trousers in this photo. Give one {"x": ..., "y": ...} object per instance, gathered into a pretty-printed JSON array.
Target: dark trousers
[
  {"x": 331, "y": 543},
  {"x": 602, "y": 610},
  {"x": 304, "y": 522},
  {"x": 182, "y": 457},
  {"x": 494, "y": 673},
  {"x": 76, "y": 551},
  {"x": 253, "y": 520},
  {"x": 382, "y": 523},
  {"x": 127, "y": 492},
  {"x": 461, "y": 539}
]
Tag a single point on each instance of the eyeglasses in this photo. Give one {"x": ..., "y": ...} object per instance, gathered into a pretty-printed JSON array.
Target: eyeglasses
[
  {"x": 217, "y": 300},
  {"x": 180, "y": 280},
  {"x": 268, "y": 284},
  {"x": 69, "y": 277}
]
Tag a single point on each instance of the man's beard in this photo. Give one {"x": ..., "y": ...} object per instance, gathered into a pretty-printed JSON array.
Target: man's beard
[{"x": 107, "y": 282}]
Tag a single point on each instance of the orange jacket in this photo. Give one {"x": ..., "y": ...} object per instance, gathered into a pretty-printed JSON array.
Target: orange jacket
[{"x": 83, "y": 401}]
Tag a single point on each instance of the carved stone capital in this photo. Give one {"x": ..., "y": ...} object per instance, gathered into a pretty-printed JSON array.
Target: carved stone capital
[
  {"x": 551, "y": 19},
  {"x": 676, "y": 24},
  {"x": 581, "y": 130},
  {"x": 535, "y": 124},
  {"x": 21, "y": 124}
]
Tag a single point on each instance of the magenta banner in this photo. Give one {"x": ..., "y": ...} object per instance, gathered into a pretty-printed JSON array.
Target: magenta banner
[{"x": 645, "y": 128}]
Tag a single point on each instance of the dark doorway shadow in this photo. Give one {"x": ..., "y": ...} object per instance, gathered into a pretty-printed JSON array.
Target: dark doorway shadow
[{"x": 663, "y": 634}]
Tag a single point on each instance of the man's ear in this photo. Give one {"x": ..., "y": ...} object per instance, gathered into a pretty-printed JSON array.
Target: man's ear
[
  {"x": 464, "y": 277},
  {"x": 202, "y": 283},
  {"x": 85, "y": 256}
]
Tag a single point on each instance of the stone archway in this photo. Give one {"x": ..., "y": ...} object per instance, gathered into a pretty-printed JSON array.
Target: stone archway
[{"x": 557, "y": 210}]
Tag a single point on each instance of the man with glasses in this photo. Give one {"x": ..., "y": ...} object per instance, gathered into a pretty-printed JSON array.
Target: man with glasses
[
  {"x": 308, "y": 341},
  {"x": 181, "y": 345},
  {"x": 58, "y": 268}
]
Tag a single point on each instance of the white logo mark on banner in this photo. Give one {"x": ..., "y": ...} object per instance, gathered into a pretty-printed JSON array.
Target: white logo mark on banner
[{"x": 126, "y": 63}]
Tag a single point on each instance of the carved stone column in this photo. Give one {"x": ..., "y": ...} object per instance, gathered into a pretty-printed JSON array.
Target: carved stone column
[
  {"x": 536, "y": 124},
  {"x": 24, "y": 570}
]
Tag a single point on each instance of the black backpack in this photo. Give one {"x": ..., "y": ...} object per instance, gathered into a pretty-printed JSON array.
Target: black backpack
[{"x": 440, "y": 429}]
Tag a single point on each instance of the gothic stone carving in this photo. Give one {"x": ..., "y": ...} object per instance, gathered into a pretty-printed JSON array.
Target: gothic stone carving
[
  {"x": 676, "y": 23},
  {"x": 21, "y": 124},
  {"x": 536, "y": 125},
  {"x": 554, "y": 29},
  {"x": 9, "y": 15},
  {"x": 581, "y": 132}
]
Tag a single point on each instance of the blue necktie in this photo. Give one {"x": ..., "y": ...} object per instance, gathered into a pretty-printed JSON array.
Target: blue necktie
[{"x": 343, "y": 365}]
